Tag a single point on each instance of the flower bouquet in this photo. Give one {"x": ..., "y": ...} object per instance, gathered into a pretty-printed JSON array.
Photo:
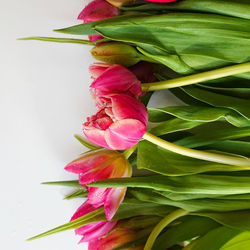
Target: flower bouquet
[{"x": 176, "y": 177}]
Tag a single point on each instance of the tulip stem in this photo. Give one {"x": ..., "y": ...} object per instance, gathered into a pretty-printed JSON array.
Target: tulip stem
[
  {"x": 161, "y": 225},
  {"x": 196, "y": 78},
  {"x": 127, "y": 153},
  {"x": 202, "y": 155}
]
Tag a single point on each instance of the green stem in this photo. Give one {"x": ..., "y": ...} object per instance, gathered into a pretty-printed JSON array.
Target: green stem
[
  {"x": 196, "y": 78},
  {"x": 161, "y": 225},
  {"x": 127, "y": 153},
  {"x": 58, "y": 40},
  {"x": 202, "y": 155}
]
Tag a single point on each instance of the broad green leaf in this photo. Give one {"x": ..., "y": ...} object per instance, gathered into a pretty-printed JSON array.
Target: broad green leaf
[
  {"x": 236, "y": 147},
  {"x": 218, "y": 100},
  {"x": 173, "y": 125},
  {"x": 190, "y": 227},
  {"x": 198, "y": 114},
  {"x": 239, "y": 242},
  {"x": 207, "y": 136},
  {"x": 74, "y": 183},
  {"x": 207, "y": 204},
  {"x": 77, "y": 194},
  {"x": 87, "y": 143},
  {"x": 239, "y": 8},
  {"x": 199, "y": 183},
  {"x": 236, "y": 219},
  {"x": 215, "y": 239},
  {"x": 58, "y": 40},
  {"x": 165, "y": 162}
]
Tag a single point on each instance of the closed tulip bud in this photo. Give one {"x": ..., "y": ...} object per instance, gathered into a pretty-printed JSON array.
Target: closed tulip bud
[
  {"x": 116, "y": 53},
  {"x": 120, "y": 3}
]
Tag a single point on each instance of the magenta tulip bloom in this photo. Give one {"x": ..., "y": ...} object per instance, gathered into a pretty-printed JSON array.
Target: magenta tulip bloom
[
  {"x": 94, "y": 230},
  {"x": 99, "y": 165},
  {"x": 119, "y": 124},
  {"x": 95, "y": 11},
  {"x": 112, "y": 79}
]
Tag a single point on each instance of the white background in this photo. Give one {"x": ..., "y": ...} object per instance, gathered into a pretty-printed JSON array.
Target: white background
[{"x": 44, "y": 100}]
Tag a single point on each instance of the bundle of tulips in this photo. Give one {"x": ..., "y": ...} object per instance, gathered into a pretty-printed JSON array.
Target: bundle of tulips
[{"x": 176, "y": 177}]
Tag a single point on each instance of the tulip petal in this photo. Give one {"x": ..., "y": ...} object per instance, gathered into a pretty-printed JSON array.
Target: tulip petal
[
  {"x": 98, "y": 69},
  {"x": 113, "y": 200},
  {"x": 96, "y": 136},
  {"x": 117, "y": 79},
  {"x": 124, "y": 134},
  {"x": 128, "y": 107}
]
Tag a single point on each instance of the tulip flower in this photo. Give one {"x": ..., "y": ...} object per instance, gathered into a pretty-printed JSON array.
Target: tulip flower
[
  {"x": 116, "y": 53},
  {"x": 120, "y": 3},
  {"x": 116, "y": 238},
  {"x": 95, "y": 11},
  {"x": 144, "y": 72},
  {"x": 98, "y": 165},
  {"x": 93, "y": 230},
  {"x": 119, "y": 124},
  {"x": 112, "y": 79}
]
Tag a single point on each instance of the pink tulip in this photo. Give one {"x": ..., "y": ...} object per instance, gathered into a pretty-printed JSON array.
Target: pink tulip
[
  {"x": 99, "y": 165},
  {"x": 119, "y": 124},
  {"x": 116, "y": 238},
  {"x": 93, "y": 230},
  {"x": 111, "y": 79},
  {"x": 95, "y": 11}
]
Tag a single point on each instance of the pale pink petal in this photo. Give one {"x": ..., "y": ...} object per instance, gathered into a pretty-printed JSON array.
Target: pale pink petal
[
  {"x": 96, "y": 136},
  {"x": 117, "y": 79},
  {"x": 124, "y": 134},
  {"x": 98, "y": 69},
  {"x": 96, "y": 196},
  {"x": 128, "y": 107},
  {"x": 101, "y": 229},
  {"x": 113, "y": 200}
]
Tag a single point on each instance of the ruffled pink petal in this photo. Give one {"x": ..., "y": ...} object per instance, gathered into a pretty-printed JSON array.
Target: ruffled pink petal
[
  {"x": 117, "y": 79},
  {"x": 127, "y": 107},
  {"x": 98, "y": 10},
  {"x": 124, "y": 134},
  {"x": 113, "y": 200},
  {"x": 100, "y": 229}
]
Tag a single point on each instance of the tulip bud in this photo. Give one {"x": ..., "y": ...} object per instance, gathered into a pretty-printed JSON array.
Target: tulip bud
[
  {"x": 116, "y": 53},
  {"x": 120, "y": 3}
]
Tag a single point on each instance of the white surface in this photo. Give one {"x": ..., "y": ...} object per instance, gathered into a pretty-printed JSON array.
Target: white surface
[{"x": 44, "y": 100}]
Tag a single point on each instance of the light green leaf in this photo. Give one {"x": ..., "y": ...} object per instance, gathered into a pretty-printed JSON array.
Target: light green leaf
[
  {"x": 199, "y": 183},
  {"x": 74, "y": 183},
  {"x": 87, "y": 143},
  {"x": 77, "y": 194},
  {"x": 239, "y": 242},
  {"x": 168, "y": 163}
]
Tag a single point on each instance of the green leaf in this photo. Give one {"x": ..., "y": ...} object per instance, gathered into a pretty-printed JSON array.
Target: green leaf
[
  {"x": 207, "y": 204},
  {"x": 58, "y": 40},
  {"x": 190, "y": 227},
  {"x": 215, "y": 239},
  {"x": 207, "y": 136},
  {"x": 77, "y": 194},
  {"x": 198, "y": 114},
  {"x": 241, "y": 241},
  {"x": 87, "y": 143},
  {"x": 236, "y": 219},
  {"x": 219, "y": 100},
  {"x": 239, "y": 8},
  {"x": 165, "y": 162},
  {"x": 173, "y": 125},
  {"x": 199, "y": 183},
  {"x": 74, "y": 183}
]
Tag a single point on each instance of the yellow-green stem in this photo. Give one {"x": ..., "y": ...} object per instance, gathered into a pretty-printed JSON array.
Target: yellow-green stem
[
  {"x": 127, "y": 153},
  {"x": 198, "y": 154},
  {"x": 196, "y": 78},
  {"x": 161, "y": 225}
]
